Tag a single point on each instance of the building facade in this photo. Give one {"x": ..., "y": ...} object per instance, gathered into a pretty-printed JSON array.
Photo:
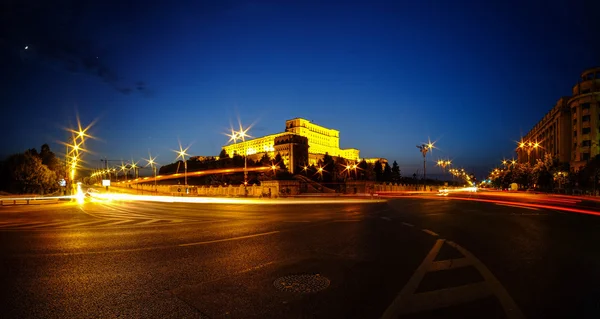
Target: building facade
[
  {"x": 570, "y": 131},
  {"x": 552, "y": 135},
  {"x": 585, "y": 112},
  {"x": 321, "y": 141}
]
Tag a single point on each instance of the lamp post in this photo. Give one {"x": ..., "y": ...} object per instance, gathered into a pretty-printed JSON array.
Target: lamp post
[
  {"x": 528, "y": 147},
  {"x": 152, "y": 164},
  {"x": 182, "y": 153},
  {"x": 241, "y": 135},
  {"x": 424, "y": 148}
]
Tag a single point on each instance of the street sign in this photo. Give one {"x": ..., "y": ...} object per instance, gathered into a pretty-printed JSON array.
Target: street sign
[{"x": 106, "y": 182}]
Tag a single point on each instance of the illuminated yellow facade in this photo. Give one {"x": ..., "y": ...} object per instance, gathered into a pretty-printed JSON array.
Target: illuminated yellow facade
[{"x": 321, "y": 140}]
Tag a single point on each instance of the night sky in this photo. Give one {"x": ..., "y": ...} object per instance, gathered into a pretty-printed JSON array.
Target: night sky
[{"x": 473, "y": 76}]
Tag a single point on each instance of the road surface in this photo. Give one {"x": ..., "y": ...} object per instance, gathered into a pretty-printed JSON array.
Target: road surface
[{"x": 409, "y": 257}]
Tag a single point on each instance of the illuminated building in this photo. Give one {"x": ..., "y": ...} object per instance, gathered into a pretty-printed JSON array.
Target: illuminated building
[
  {"x": 552, "y": 133},
  {"x": 570, "y": 130},
  {"x": 320, "y": 141},
  {"x": 585, "y": 113}
]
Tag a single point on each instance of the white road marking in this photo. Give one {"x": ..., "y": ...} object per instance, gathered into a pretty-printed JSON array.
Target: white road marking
[
  {"x": 449, "y": 264},
  {"x": 83, "y": 224},
  {"x": 346, "y": 220},
  {"x": 52, "y": 224},
  {"x": 407, "y": 224},
  {"x": 117, "y": 223},
  {"x": 427, "y": 231},
  {"x": 408, "y": 301},
  {"x": 400, "y": 304},
  {"x": 20, "y": 225},
  {"x": 509, "y": 305},
  {"x": 386, "y": 218},
  {"x": 149, "y": 222},
  {"x": 228, "y": 239},
  {"x": 518, "y": 206}
]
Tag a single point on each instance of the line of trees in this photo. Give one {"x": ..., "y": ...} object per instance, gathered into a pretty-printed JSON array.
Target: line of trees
[
  {"x": 32, "y": 172},
  {"x": 334, "y": 170},
  {"x": 546, "y": 174}
]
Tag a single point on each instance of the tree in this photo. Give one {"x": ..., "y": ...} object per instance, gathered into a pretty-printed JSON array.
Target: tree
[
  {"x": 363, "y": 168},
  {"x": 279, "y": 161},
  {"x": 265, "y": 159},
  {"x": 27, "y": 174},
  {"x": 396, "y": 176},
  {"x": 387, "y": 173},
  {"x": 378, "y": 169},
  {"x": 223, "y": 154}
]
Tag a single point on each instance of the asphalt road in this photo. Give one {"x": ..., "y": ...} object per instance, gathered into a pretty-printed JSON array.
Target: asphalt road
[{"x": 410, "y": 257}]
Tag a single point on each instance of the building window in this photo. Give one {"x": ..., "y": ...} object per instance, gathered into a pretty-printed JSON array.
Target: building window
[
  {"x": 585, "y": 106},
  {"x": 574, "y": 121},
  {"x": 575, "y": 145},
  {"x": 585, "y": 118},
  {"x": 585, "y": 156},
  {"x": 574, "y": 133},
  {"x": 590, "y": 76},
  {"x": 585, "y": 130},
  {"x": 586, "y": 143},
  {"x": 585, "y": 91}
]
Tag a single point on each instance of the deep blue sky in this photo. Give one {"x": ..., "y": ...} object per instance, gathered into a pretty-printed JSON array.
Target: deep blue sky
[{"x": 473, "y": 75}]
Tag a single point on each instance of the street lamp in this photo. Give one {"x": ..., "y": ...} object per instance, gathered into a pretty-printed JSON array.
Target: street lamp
[
  {"x": 424, "y": 148},
  {"x": 528, "y": 147},
  {"x": 152, "y": 164},
  {"x": 241, "y": 135},
  {"x": 182, "y": 153}
]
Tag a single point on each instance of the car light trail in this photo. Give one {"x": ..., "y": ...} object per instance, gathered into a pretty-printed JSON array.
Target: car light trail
[
  {"x": 217, "y": 200},
  {"x": 561, "y": 208}
]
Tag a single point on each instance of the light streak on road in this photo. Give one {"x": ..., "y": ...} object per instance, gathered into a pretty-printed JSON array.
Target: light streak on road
[
  {"x": 502, "y": 202},
  {"x": 196, "y": 173},
  {"x": 218, "y": 200}
]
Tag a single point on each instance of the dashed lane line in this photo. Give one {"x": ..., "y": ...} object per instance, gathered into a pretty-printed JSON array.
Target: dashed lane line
[
  {"x": 151, "y": 221},
  {"x": 84, "y": 224},
  {"x": 427, "y": 231},
  {"x": 229, "y": 239},
  {"x": 118, "y": 222},
  {"x": 408, "y": 224}
]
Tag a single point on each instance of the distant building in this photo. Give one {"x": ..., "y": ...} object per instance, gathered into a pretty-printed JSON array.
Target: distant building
[
  {"x": 585, "y": 112},
  {"x": 300, "y": 137},
  {"x": 570, "y": 130},
  {"x": 553, "y": 133}
]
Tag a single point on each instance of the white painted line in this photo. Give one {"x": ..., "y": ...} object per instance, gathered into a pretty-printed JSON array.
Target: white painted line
[
  {"x": 518, "y": 206},
  {"x": 229, "y": 239},
  {"x": 118, "y": 222},
  {"x": 83, "y": 224},
  {"x": 148, "y": 222},
  {"x": 510, "y": 307},
  {"x": 427, "y": 231},
  {"x": 19, "y": 225},
  {"x": 401, "y": 301},
  {"x": 449, "y": 264},
  {"x": 386, "y": 218},
  {"x": 442, "y": 298},
  {"x": 407, "y": 224},
  {"x": 346, "y": 220},
  {"x": 52, "y": 224}
]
